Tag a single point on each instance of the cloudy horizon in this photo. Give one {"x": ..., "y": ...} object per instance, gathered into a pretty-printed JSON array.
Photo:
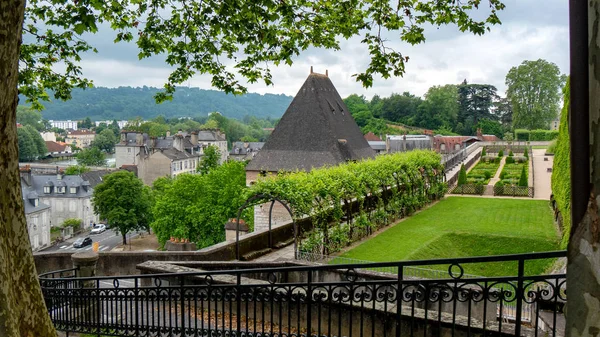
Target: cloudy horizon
[{"x": 528, "y": 32}]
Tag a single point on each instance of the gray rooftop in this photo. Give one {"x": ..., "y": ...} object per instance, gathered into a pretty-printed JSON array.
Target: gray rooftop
[
  {"x": 175, "y": 154},
  {"x": 29, "y": 195},
  {"x": 316, "y": 130},
  {"x": 39, "y": 181},
  {"x": 210, "y": 136}
]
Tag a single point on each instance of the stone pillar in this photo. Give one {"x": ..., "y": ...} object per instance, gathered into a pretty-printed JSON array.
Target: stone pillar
[{"x": 86, "y": 262}]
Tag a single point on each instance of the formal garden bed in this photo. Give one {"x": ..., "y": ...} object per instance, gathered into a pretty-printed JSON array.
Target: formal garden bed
[
  {"x": 483, "y": 171},
  {"x": 463, "y": 226}
]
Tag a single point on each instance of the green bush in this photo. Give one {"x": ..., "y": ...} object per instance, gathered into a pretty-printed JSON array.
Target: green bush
[
  {"x": 487, "y": 174},
  {"x": 483, "y": 153},
  {"x": 522, "y": 134},
  {"x": 497, "y": 160},
  {"x": 523, "y": 178},
  {"x": 502, "y": 174},
  {"x": 510, "y": 153},
  {"x": 462, "y": 175},
  {"x": 552, "y": 147},
  {"x": 500, "y": 153},
  {"x": 499, "y": 183},
  {"x": 526, "y": 153},
  {"x": 510, "y": 160},
  {"x": 561, "y": 169},
  {"x": 74, "y": 223}
]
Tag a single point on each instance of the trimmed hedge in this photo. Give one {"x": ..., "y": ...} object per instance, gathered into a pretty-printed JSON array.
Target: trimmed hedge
[
  {"x": 535, "y": 135},
  {"x": 561, "y": 169}
]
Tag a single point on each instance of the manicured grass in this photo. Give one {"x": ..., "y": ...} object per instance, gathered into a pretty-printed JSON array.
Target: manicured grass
[
  {"x": 539, "y": 146},
  {"x": 472, "y": 226}
]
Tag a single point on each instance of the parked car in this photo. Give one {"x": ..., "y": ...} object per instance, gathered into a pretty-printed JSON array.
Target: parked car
[
  {"x": 98, "y": 229},
  {"x": 82, "y": 242}
]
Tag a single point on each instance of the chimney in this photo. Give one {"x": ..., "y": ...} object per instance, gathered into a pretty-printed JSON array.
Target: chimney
[
  {"x": 123, "y": 137},
  {"x": 178, "y": 142},
  {"x": 26, "y": 174},
  {"x": 59, "y": 175},
  {"x": 479, "y": 134},
  {"x": 139, "y": 139},
  {"x": 168, "y": 133},
  {"x": 326, "y": 72},
  {"x": 311, "y": 69},
  {"x": 179, "y": 132},
  {"x": 152, "y": 142},
  {"x": 194, "y": 138}
]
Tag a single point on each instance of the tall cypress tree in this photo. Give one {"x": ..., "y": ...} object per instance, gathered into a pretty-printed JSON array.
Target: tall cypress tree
[{"x": 523, "y": 178}]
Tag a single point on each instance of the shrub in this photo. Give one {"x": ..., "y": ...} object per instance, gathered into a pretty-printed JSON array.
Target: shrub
[
  {"x": 510, "y": 160},
  {"x": 510, "y": 153},
  {"x": 500, "y": 153},
  {"x": 497, "y": 160},
  {"x": 561, "y": 169},
  {"x": 523, "y": 178},
  {"x": 502, "y": 174},
  {"x": 483, "y": 153},
  {"x": 487, "y": 174},
  {"x": 499, "y": 183},
  {"x": 526, "y": 153},
  {"x": 462, "y": 175},
  {"x": 75, "y": 223},
  {"x": 552, "y": 147}
]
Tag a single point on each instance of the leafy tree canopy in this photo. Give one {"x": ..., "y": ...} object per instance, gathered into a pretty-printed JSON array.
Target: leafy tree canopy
[
  {"x": 198, "y": 37},
  {"x": 196, "y": 207},
  {"x": 210, "y": 159},
  {"x": 123, "y": 200},
  {"x": 105, "y": 141},
  {"x": 92, "y": 156},
  {"x": 534, "y": 93}
]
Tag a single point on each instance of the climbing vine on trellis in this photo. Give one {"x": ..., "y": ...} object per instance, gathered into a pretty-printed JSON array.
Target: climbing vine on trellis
[{"x": 349, "y": 201}]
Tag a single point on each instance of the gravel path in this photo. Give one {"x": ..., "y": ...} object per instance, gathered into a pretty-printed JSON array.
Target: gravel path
[{"x": 542, "y": 178}]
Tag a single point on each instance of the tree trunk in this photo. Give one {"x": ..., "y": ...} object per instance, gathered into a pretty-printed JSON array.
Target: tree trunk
[
  {"x": 22, "y": 307},
  {"x": 583, "y": 266},
  {"x": 124, "y": 235}
]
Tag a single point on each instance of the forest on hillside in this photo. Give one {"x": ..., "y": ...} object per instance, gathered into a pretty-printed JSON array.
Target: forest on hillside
[{"x": 126, "y": 103}]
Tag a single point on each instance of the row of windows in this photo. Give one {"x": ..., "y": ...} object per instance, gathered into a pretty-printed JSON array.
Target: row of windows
[
  {"x": 60, "y": 190},
  {"x": 183, "y": 165}
]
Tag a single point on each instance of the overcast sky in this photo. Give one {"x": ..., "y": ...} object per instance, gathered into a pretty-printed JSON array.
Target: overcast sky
[{"x": 531, "y": 29}]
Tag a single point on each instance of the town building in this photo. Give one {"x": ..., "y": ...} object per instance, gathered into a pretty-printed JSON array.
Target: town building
[
  {"x": 80, "y": 138},
  {"x": 48, "y": 136},
  {"x": 69, "y": 196},
  {"x": 121, "y": 124},
  {"x": 58, "y": 149},
  {"x": 404, "y": 143},
  {"x": 241, "y": 151},
  {"x": 65, "y": 125},
  {"x": 555, "y": 123},
  {"x": 316, "y": 130},
  {"x": 214, "y": 138},
  {"x": 151, "y": 157},
  {"x": 37, "y": 215}
]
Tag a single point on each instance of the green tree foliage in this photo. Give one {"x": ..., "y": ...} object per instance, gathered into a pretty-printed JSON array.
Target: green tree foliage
[
  {"x": 534, "y": 93},
  {"x": 27, "y": 149},
  {"x": 31, "y": 144},
  {"x": 40, "y": 144},
  {"x": 400, "y": 108},
  {"x": 359, "y": 108},
  {"x": 105, "y": 141},
  {"x": 73, "y": 223},
  {"x": 407, "y": 180},
  {"x": 561, "y": 168},
  {"x": 197, "y": 207},
  {"x": 439, "y": 109},
  {"x": 270, "y": 31},
  {"x": 462, "y": 175},
  {"x": 523, "y": 178},
  {"x": 500, "y": 154},
  {"x": 210, "y": 160},
  {"x": 74, "y": 170},
  {"x": 27, "y": 116},
  {"x": 85, "y": 123},
  {"x": 476, "y": 102},
  {"x": 490, "y": 127},
  {"x": 124, "y": 202},
  {"x": 91, "y": 157}
]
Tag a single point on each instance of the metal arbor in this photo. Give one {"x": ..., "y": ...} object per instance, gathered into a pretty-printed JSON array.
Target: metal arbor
[{"x": 264, "y": 198}]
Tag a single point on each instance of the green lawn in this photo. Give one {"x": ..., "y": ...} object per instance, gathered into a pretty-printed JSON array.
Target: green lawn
[
  {"x": 461, "y": 226},
  {"x": 539, "y": 146}
]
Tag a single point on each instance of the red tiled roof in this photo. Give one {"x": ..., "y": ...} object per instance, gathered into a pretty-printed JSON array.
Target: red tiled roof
[
  {"x": 490, "y": 138},
  {"x": 55, "y": 147},
  {"x": 371, "y": 137}
]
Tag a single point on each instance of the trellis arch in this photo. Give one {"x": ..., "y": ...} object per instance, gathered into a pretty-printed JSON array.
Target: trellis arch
[{"x": 253, "y": 201}]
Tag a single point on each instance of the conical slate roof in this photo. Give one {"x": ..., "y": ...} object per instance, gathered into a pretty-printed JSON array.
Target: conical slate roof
[{"x": 316, "y": 130}]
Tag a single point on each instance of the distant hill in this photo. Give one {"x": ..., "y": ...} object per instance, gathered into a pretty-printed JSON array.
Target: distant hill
[{"x": 101, "y": 103}]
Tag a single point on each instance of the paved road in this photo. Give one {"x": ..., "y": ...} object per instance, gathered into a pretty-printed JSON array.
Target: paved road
[
  {"x": 542, "y": 182},
  {"x": 107, "y": 240}
]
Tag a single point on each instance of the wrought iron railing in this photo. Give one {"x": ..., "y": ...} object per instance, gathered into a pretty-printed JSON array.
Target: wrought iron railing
[{"x": 321, "y": 300}]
